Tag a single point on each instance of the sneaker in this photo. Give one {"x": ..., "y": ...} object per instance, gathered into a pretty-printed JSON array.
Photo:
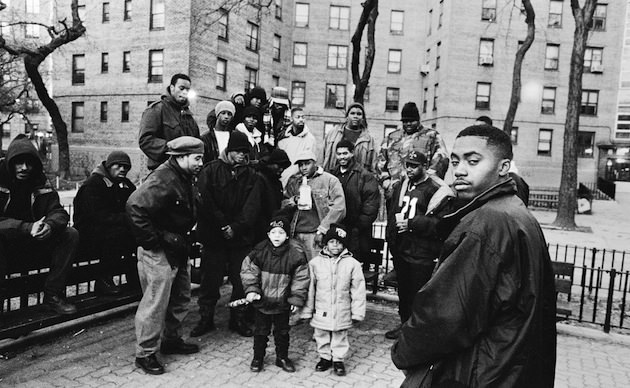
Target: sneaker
[
  {"x": 59, "y": 304},
  {"x": 256, "y": 365},
  {"x": 323, "y": 365},
  {"x": 178, "y": 346},
  {"x": 394, "y": 333},
  {"x": 150, "y": 365},
  {"x": 339, "y": 368}
]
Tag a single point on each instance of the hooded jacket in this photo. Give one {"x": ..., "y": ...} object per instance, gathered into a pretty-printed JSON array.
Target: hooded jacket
[
  {"x": 161, "y": 122},
  {"x": 278, "y": 274},
  {"x": 44, "y": 200},
  {"x": 486, "y": 318},
  {"x": 336, "y": 295},
  {"x": 295, "y": 145},
  {"x": 364, "y": 148}
]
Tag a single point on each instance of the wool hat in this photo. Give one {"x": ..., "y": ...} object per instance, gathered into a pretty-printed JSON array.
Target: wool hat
[
  {"x": 337, "y": 232},
  {"x": 410, "y": 112},
  {"x": 305, "y": 155},
  {"x": 415, "y": 157},
  {"x": 280, "y": 222},
  {"x": 258, "y": 92},
  {"x": 184, "y": 145},
  {"x": 238, "y": 142},
  {"x": 223, "y": 106},
  {"x": 251, "y": 110},
  {"x": 277, "y": 156},
  {"x": 118, "y": 157}
]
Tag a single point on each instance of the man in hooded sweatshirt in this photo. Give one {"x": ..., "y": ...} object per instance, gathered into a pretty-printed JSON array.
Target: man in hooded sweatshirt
[
  {"x": 33, "y": 224},
  {"x": 166, "y": 120},
  {"x": 297, "y": 139}
]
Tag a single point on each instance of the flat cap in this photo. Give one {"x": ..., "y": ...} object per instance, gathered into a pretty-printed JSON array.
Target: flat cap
[{"x": 184, "y": 145}]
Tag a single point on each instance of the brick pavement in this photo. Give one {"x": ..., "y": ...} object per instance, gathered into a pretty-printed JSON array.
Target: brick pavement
[{"x": 102, "y": 356}]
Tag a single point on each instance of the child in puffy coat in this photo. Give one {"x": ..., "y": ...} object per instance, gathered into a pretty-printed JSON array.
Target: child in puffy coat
[
  {"x": 336, "y": 299},
  {"x": 275, "y": 280}
]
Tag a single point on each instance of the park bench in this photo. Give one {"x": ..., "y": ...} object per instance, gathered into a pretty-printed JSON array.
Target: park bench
[{"x": 563, "y": 278}]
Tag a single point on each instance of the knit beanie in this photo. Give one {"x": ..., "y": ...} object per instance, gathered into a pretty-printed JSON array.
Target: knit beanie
[
  {"x": 223, "y": 106},
  {"x": 410, "y": 112},
  {"x": 280, "y": 222},
  {"x": 337, "y": 232},
  {"x": 277, "y": 156},
  {"x": 118, "y": 157},
  {"x": 258, "y": 92},
  {"x": 238, "y": 142},
  {"x": 251, "y": 110}
]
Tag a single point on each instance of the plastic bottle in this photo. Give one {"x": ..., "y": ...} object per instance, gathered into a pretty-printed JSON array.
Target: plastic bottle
[{"x": 305, "y": 202}]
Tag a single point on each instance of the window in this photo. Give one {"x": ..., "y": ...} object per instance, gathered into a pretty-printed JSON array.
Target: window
[
  {"x": 339, "y": 18},
  {"x": 435, "y": 96},
  {"x": 335, "y": 96},
  {"x": 105, "y": 17},
  {"x": 32, "y": 6},
  {"x": 552, "y": 55},
  {"x": 544, "y": 142},
  {"x": 301, "y": 15},
  {"x": 337, "y": 56},
  {"x": 126, "y": 65},
  {"x": 103, "y": 111},
  {"x": 278, "y": 4},
  {"x": 124, "y": 111},
  {"x": 441, "y": 14},
  {"x": 548, "y": 101},
  {"x": 78, "y": 115},
  {"x": 223, "y": 24},
  {"x": 593, "y": 60},
  {"x": 585, "y": 144},
  {"x": 31, "y": 31},
  {"x": 482, "y": 100},
  {"x": 6, "y": 130},
  {"x": 157, "y": 15},
  {"x": 428, "y": 57},
  {"x": 78, "y": 69},
  {"x": 221, "y": 74},
  {"x": 156, "y": 65},
  {"x": 275, "y": 80},
  {"x": 489, "y": 10},
  {"x": 299, "y": 54},
  {"x": 252, "y": 36},
  {"x": 127, "y": 10},
  {"x": 392, "y": 97},
  {"x": 393, "y": 61},
  {"x": 437, "y": 55},
  {"x": 555, "y": 13},
  {"x": 514, "y": 135},
  {"x": 298, "y": 93},
  {"x": 396, "y": 22},
  {"x": 277, "y": 42},
  {"x": 104, "y": 62},
  {"x": 486, "y": 52},
  {"x": 599, "y": 18},
  {"x": 425, "y": 100},
  {"x": 589, "y": 102},
  {"x": 430, "y": 22},
  {"x": 251, "y": 77}
]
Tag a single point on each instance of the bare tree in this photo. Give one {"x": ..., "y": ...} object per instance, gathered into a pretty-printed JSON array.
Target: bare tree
[
  {"x": 515, "y": 97},
  {"x": 14, "y": 91},
  {"x": 60, "y": 34},
  {"x": 368, "y": 18},
  {"x": 567, "y": 198}
]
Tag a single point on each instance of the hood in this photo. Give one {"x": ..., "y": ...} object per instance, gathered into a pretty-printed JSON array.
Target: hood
[
  {"x": 169, "y": 99},
  {"x": 304, "y": 132},
  {"x": 345, "y": 253},
  {"x": 224, "y": 158},
  {"x": 21, "y": 145}
]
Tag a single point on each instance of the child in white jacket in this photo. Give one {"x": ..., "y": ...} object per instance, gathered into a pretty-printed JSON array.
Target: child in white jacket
[{"x": 336, "y": 299}]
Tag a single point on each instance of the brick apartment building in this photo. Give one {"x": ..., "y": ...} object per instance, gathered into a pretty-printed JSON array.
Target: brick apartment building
[{"x": 454, "y": 58}]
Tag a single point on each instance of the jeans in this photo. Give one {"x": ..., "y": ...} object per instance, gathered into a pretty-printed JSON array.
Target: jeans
[
  {"x": 164, "y": 304},
  {"x": 262, "y": 329},
  {"x": 307, "y": 239},
  {"x": 332, "y": 344},
  {"x": 411, "y": 278}
]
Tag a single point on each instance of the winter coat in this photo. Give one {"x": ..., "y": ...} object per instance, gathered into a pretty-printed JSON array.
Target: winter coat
[
  {"x": 162, "y": 211},
  {"x": 486, "y": 318},
  {"x": 271, "y": 196},
  {"x": 363, "y": 198},
  {"x": 44, "y": 200},
  {"x": 295, "y": 145},
  {"x": 336, "y": 295},
  {"x": 328, "y": 198},
  {"x": 364, "y": 149},
  {"x": 99, "y": 209},
  {"x": 278, "y": 274},
  {"x": 229, "y": 195},
  {"x": 161, "y": 122},
  {"x": 210, "y": 146}
]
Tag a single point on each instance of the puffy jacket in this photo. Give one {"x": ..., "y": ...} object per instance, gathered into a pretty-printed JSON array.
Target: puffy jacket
[
  {"x": 364, "y": 149},
  {"x": 99, "y": 206},
  {"x": 295, "y": 145},
  {"x": 278, "y": 274},
  {"x": 362, "y": 194},
  {"x": 44, "y": 200},
  {"x": 328, "y": 198},
  {"x": 162, "y": 211},
  {"x": 229, "y": 195},
  {"x": 161, "y": 122},
  {"x": 487, "y": 316},
  {"x": 336, "y": 295}
]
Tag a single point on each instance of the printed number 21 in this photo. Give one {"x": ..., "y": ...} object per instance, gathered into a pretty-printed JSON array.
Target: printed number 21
[{"x": 409, "y": 208}]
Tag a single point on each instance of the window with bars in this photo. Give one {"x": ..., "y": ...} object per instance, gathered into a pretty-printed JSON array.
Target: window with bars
[
  {"x": 392, "y": 99},
  {"x": 277, "y": 43},
  {"x": 335, "y": 96},
  {"x": 548, "y": 101},
  {"x": 545, "y": 137},
  {"x": 78, "y": 117},
  {"x": 157, "y": 15},
  {"x": 482, "y": 99},
  {"x": 396, "y": 22},
  {"x": 300, "y": 50},
  {"x": 301, "y": 14},
  {"x": 156, "y": 66},
  {"x": 298, "y": 93},
  {"x": 590, "y": 99},
  {"x": 252, "y": 36},
  {"x": 337, "y": 56},
  {"x": 339, "y": 18},
  {"x": 394, "y": 59},
  {"x": 555, "y": 13},
  {"x": 221, "y": 81},
  {"x": 78, "y": 69},
  {"x": 552, "y": 55}
]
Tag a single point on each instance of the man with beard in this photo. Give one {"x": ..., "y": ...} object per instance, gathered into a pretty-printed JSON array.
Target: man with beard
[
  {"x": 229, "y": 208},
  {"x": 216, "y": 139},
  {"x": 162, "y": 213},
  {"x": 296, "y": 140},
  {"x": 33, "y": 225},
  {"x": 105, "y": 228},
  {"x": 363, "y": 200},
  {"x": 166, "y": 120}
]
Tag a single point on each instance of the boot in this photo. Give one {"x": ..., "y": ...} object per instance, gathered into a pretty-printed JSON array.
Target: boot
[
  {"x": 238, "y": 324},
  {"x": 205, "y": 324}
]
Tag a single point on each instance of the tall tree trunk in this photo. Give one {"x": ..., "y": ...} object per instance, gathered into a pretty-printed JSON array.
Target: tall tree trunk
[
  {"x": 567, "y": 198},
  {"x": 515, "y": 97},
  {"x": 360, "y": 81}
]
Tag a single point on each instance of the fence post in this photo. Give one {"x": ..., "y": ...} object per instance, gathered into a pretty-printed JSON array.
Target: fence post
[
  {"x": 609, "y": 302},
  {"x": 590, "y": 282}
]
